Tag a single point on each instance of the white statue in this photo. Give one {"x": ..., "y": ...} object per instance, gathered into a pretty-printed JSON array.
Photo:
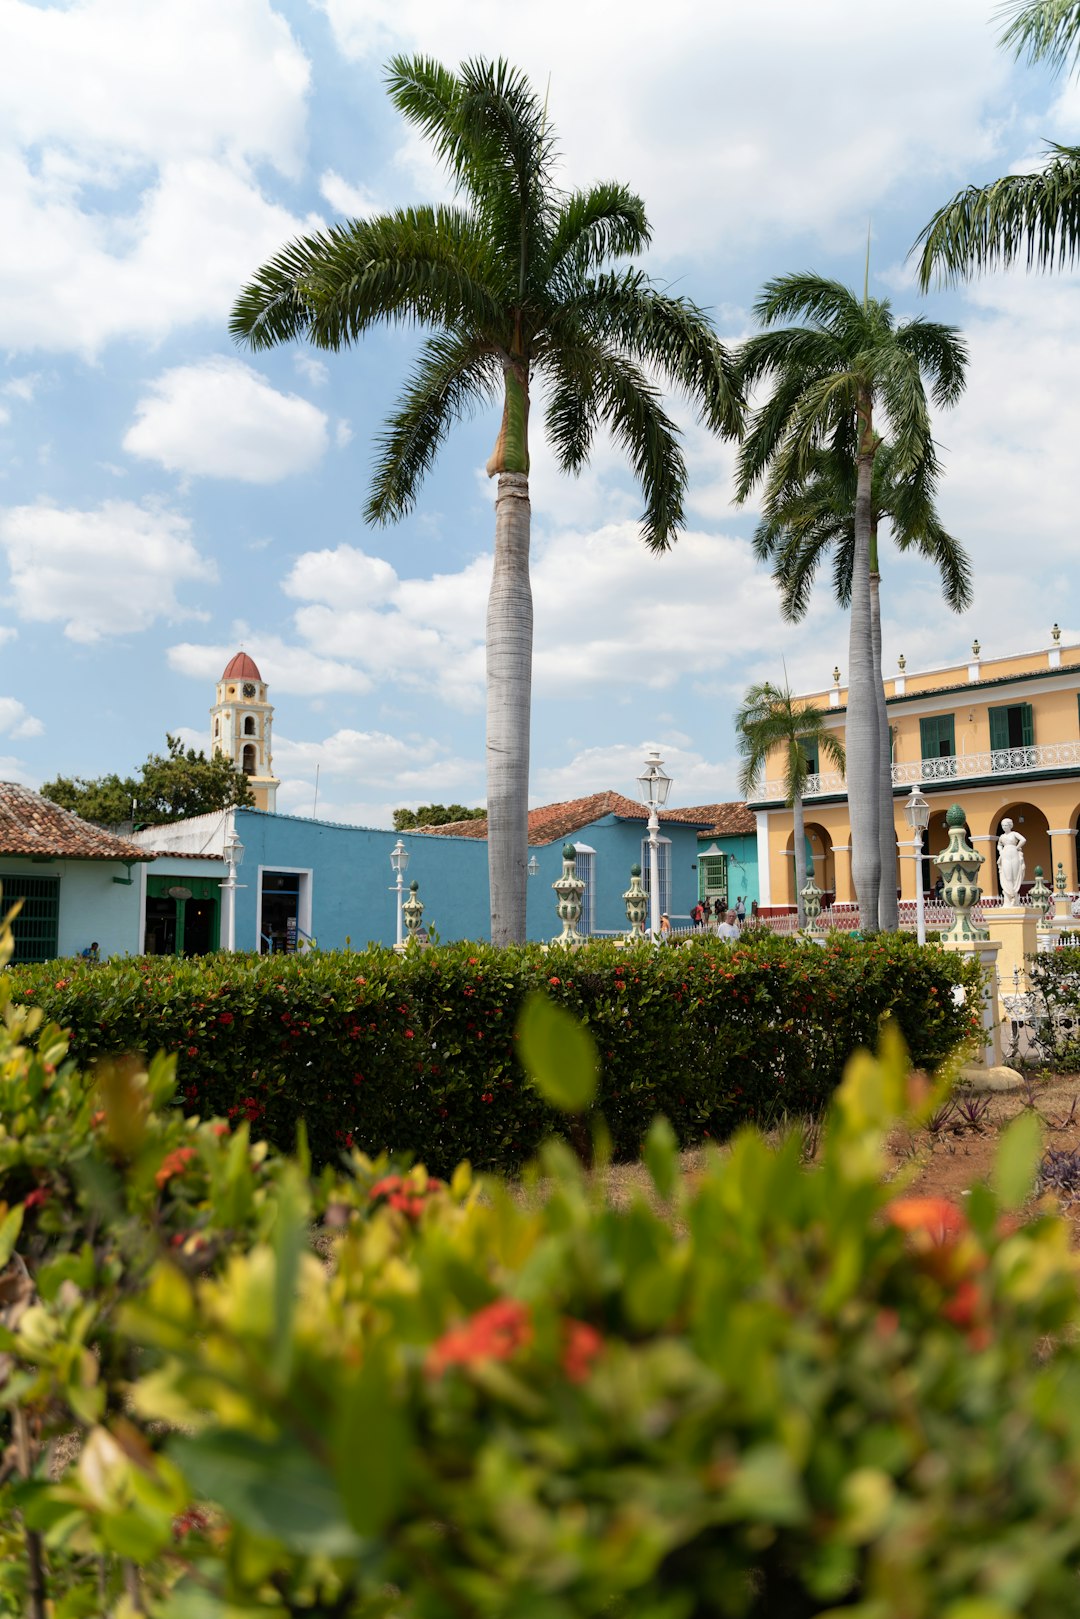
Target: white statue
[{"x": 1010, "y": 862}]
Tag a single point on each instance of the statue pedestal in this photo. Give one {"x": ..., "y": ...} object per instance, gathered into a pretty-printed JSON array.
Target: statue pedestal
[{"x": 1015, "y": 929}]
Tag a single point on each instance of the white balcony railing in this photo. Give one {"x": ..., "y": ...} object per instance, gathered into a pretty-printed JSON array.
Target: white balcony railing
[{"x": 950, "y": 767}]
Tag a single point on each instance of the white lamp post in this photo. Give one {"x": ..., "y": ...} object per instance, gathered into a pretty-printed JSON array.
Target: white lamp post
[
  {"x": 533, "y": 867},
  {"x": 234, "y": 859},
  {"x": 654, "y": 785},
  {"x": 917, "y": 814},
  {"x": 399, "y": 859}
]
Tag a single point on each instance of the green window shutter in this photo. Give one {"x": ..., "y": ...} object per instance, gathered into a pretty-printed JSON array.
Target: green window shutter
[
  {"x": 36, "y": 928},
  {"x": 937, "y": 736},
  {"x": 1027, "y": 721},
  {"x": 999, "y": 729},
  {"x": 810, "y": 750}
]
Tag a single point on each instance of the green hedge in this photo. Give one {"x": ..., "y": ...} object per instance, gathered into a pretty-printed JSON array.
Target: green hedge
[{"x": 417, "y": 1054}]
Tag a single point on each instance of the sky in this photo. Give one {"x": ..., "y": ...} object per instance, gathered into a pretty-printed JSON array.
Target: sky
[{"x": 166, "y": 498}]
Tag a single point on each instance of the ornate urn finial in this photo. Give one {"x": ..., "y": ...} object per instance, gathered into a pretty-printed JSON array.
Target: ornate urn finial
[
  {"x": 836, "y": 675},
  {"x": 412, "y": 911},
  {"x": 975, "y": 649},
  {"x": 811, "y": 898},
  {"x": 901, "y": 663},
  {"x": 637, "y": 904},
  {"x": 1040, "y": 897},
  {"x": 1055, "y": 634},
  {"x": 569, "y": 888},
  {"x": 959, "y": 866}
]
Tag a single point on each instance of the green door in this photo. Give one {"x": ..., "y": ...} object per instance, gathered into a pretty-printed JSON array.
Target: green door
[
  {"x": 937, "y": 736},
  {"x": 183, "y": 915}
]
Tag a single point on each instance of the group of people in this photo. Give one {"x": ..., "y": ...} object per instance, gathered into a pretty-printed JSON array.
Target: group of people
[{"x": 720, "y": 918}]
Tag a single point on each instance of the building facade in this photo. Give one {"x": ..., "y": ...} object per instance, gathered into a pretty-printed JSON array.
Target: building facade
[{"x": 1001, "y": 736}]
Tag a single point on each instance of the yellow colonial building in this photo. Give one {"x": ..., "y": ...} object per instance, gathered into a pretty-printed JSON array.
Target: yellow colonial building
[{"x": 1001, "y": 736}]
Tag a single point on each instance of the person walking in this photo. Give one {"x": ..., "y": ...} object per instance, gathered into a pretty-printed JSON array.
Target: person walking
[
  {"x": 740, "y": 910},
  {"x": 665, "y": 927},
  {"x": 697, "y": 915}
]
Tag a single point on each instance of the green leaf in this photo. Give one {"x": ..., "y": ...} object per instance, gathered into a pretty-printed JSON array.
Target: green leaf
[
  {"x": 288, "y": 1246},
  {"x": 661, "y": 1154},
  {"x": 10, "y": 1226},
  {"x": 273, "y": 1488},
  {"x": 372, "y": 1450},
  {"x": 1017, "y": 1161},
  {"x": 558, "y": 1054}
]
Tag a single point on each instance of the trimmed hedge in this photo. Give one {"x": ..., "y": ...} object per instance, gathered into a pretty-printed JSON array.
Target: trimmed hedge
[{"x": 416, "y": 1055}]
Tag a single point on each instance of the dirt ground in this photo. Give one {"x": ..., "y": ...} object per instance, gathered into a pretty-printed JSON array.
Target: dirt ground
[{"x": 957, "y": 1148}]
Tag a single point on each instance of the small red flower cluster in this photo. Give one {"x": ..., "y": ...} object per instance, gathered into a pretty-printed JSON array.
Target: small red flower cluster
[
  {"x": 34, "y": 1199},
  {"x": 405, "y": 1195},
  {"x": 937, "y": 1229},
  {"x": 174, "y": 1163},
  {"x": 225, "y": 1019},
  {"x": 499, "y": 1330},
  {"x": 193, "y": 1521}
]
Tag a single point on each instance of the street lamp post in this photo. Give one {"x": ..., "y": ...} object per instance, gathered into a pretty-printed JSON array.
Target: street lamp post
[
  {"x": 654, "y": 785},
  {"x": 234, "y": 859},
  {"x": 917, "y": 814},
  {"x": 399, "y": 859}
]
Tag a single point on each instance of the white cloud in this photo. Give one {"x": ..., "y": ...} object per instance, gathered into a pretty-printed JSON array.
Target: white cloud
[
  {"x": 774, "y": 152},
  {"x": 615, "y": 766},
  {"x": 111, "y": 571},
  {"x": 311, "y": 369},
  {"x": 16, "y": 722},
  {"x": 355, "y": 202},
  {"x": 390, "y": 771},
  {"x": 288, "y": 669},
  {"x": 220, "y": 419},
  {"x": 113, "y": 80},
  {"x": 71, "y": 278}
]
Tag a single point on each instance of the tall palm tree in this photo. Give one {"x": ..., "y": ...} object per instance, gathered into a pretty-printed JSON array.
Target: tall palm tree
[
  {"x": 512, "y": 282},
  {"x": 849, "y": 366},
  {"x": 1033, "y": 218},
  {"x": 769, "y": 720},
  {"x": 802, "y": 525}
]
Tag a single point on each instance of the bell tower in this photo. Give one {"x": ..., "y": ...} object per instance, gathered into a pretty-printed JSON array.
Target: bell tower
[{"x": 240, "y": 723}]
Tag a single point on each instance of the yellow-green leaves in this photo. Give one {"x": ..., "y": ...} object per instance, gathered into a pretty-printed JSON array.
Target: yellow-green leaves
[
  {"x": 558, "y": 1055},
  {"x": 1017, "y": 1162}
]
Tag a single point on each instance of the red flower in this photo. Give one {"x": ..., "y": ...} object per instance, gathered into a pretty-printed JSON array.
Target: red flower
[
  {"x": 554, "y": 980},
  {"x": 222, "y": 1129},
  {"x": 358, "y": 1079},
  {"x": 193, "y": 1051},
  {"x": 408, "y": 1034},
  {"x": 34, "y": 1199},
  {"x": 225, "y": 1019},
  {"x": 174, "y": 1164},
  {"x": 487, "y": 1097},
  {"x": 404, "y": 1195},
  {"x": 496, "y": 1332},
  {"x": 193, "y": 1521},
  {"x": 582, "y": 1345}
]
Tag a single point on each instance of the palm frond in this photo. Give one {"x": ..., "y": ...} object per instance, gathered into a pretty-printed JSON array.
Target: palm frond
[
  {"x": 670, "y": 335},
  {"x": 630, "y": 407},
  {"x": 453, "y": 376},
  {"x": 941, "y": 355},
  {"x": 608, "y": 221},
  {"x": 806, "y": 294},
  {"x": 429, "y": 96},
  {"x": 1043, "y": 30},
  {"x": 1032, "y": 219},
  {"x": 769, "y": 719},
  {"x": 901, "y": 393}
]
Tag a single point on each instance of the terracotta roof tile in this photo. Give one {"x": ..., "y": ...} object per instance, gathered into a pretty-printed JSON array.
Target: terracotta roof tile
[
  {"x": 31, "y": 825},
  {"x": 554, "y": 821},
  {"x": 732, "y": 821},
  {"x": 241, "y": 667}
]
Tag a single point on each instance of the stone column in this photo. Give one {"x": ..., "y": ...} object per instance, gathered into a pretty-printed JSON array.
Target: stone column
[{"x": 845, "y": 892}]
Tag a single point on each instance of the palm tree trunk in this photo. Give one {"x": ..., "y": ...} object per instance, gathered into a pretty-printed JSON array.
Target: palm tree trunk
[
  {"x": 509, "y": 695},
  {"x": 863, "y": 758},
  {"x": 888, "y": 919},
  {"x": 800, "y": 856}
]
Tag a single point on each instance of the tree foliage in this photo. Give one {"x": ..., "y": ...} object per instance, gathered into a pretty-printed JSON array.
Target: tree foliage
[
  {"x": 407, "y": 820},
  {"x": 169, "y": 787}
]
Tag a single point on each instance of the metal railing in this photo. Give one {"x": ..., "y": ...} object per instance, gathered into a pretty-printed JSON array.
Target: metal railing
[{"x": 948, "y": 767}]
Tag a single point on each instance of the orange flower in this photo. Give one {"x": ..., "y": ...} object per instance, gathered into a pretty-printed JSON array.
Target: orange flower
[
  {"x": 496, "y": 1332},
  {"x": 401, "y": 1194},
  {"x": 174, "y": 1164},
  {"x": 939, "y": 1219},
  {"x": 582, "y": 1345}
]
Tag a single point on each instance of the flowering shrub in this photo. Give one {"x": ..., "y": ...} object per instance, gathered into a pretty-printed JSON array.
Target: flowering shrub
[
  {"x": 419, "y": 1055},
  {"x": 769, "y": 1391}
]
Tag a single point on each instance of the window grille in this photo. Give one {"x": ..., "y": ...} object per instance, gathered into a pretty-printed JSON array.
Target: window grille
[
  {"x": 663, "y": 871},
  {"x": 37, "y": 926},
  {"x": 585, "y": 872}
]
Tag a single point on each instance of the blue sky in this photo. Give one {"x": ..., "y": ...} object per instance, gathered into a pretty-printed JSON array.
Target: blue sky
[{"x": 164, "y": 498}]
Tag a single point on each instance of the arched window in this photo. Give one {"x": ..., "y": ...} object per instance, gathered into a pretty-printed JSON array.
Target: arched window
[
  {"x": 249, "y": 725},
  {"x": 248, "y": 764}
]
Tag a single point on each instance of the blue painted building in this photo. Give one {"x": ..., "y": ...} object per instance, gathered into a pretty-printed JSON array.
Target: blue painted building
[{"x": 305, "y": 879}]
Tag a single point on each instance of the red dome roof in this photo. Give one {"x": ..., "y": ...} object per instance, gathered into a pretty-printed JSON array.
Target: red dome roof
[{"x": 241, "y": 668}]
